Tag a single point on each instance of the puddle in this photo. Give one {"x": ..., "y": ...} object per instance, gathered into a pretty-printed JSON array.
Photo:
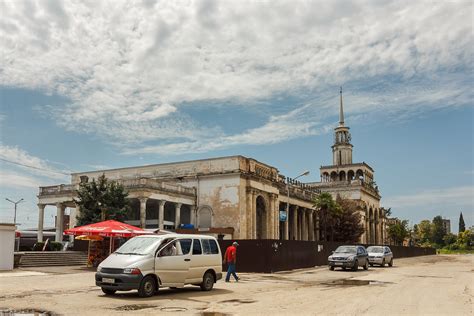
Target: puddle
[
  {"x": 133, "y": 307},
  {"x": 213, "y": 314},
  {"x": 32, "y": 312},
  {"x": 173, "y": 309},
  {"x": 240, "y": 301},
  {"x": 351, "y": 282}
]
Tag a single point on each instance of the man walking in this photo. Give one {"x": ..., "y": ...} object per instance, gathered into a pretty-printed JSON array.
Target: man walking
[{"x": 230, "y": 258}]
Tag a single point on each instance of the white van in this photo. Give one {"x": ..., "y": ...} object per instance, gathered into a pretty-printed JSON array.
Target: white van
[{"x": 145, "y": 263}]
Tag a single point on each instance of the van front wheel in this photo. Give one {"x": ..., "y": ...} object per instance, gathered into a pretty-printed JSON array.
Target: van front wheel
[
  {"x": 147, "y": 287},
  {"x": 207, "y": 281}
]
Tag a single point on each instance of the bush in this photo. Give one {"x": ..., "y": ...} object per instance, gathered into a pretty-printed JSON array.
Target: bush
[
  {"x": 56, "y": 246},
  {"x": 38, "y": 246}
]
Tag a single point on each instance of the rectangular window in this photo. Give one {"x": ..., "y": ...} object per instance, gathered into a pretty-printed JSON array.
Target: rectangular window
[
  {"x": 206, "y": 248},
  {"x": 214, "y": 247},
  {"x": 185, "y": 245},
  {"x": 197, "y": 247}
]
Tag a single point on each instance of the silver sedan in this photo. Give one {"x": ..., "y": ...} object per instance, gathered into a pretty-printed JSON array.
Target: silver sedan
[{"x": 380, "y": 255}]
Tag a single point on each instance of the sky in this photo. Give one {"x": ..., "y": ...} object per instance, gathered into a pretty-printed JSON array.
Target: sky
[{"x": 88, "y": 85}]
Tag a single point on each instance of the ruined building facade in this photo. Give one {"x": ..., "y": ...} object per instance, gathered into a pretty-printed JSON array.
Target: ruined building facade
[{"x": 235, "y": 197}]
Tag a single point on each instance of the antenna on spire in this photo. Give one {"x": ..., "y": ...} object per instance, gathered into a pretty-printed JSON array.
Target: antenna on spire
[{"x": 341, "y": 112}]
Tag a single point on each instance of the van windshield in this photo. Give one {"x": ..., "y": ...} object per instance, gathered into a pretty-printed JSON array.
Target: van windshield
[{"x": 139, "y": 246}]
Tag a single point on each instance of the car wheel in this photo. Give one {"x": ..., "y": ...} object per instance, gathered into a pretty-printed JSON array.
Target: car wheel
[
  {"x": 107, "y": 291},
  {"x": 366, "y": 265},
  {"x": 207, "y": 281},
  {"x": 148, "y": 287},
  {"x": 390, "y": 264},
  {"x": 331, "y": 268},
  {"x": 356, "y": 266},
  {"x": 383, "y": 263}
]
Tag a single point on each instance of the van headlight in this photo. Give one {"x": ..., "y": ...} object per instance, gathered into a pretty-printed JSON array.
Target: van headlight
[
  {"x": 99, "y": 268},
  {"x": 132, "y": 271}
]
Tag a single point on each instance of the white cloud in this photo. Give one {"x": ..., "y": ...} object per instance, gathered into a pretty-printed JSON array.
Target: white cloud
[
  {"x": 457, "y": 196},
  {"x": 130, "y": 69},
  {"x": 16, "y": 180},
  {"x": 19, "y": 159}
]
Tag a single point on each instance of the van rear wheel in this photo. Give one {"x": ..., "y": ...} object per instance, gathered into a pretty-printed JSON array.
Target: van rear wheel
[{"x": 207, "y": 281}]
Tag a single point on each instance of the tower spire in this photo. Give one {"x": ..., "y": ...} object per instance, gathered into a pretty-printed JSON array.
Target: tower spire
[{"x": 341, "y": 112}]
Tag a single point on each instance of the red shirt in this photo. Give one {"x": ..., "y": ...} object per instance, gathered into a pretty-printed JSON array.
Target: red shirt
[{"x": 231, "y": 254}]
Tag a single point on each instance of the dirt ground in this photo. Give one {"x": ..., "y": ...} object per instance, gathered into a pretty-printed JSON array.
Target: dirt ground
[{"x": 430, "y": 285}]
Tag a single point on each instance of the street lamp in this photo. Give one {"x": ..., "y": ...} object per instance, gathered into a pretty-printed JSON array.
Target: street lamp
[
  {"x": 288, "y": 199},
  {"x": 16, "y": 203}
]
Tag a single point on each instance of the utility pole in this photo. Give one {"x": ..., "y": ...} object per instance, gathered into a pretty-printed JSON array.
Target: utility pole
[{"x": 15, "y": 203}]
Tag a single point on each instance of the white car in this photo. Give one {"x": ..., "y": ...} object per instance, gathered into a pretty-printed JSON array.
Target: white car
[
  {"x": 380, "y": 255},
  {"x": 146, "y": 263}
]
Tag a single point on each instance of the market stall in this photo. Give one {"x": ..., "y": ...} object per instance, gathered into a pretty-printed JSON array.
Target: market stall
[{"x": 96, "y": 232}]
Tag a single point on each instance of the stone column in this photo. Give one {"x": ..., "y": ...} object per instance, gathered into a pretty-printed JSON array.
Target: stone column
[
  {"x": 311, "y": 226},
  {"x": 317, "y": 226},
  {"x": 177, "y": 215},
  {"x": 59, "y": 222},
  {"x": 286, "y": 225},
  {"x": 193, "y": 214},
  {"x": 41, "y": 221},
  {"x": 274, "y": 219},
  {"x": 143, "y": 212},
  {"x": 248, "y": 213},
  {"x": 300, "y": 223},
  {"x": 161, "y": 214},
  {"x": 295, "y": 223},
  {"x": 304, "y": 222},
  {"x": 254, "y": 215}
]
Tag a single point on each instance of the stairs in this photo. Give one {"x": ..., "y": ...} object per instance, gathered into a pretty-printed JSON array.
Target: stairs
[{"x": 53, "y": 258}]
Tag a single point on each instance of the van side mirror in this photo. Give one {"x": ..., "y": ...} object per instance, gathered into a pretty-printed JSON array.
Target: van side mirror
[{"x": 332, "y": 251}]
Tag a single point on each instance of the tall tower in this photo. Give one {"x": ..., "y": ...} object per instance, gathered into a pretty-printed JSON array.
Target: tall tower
[{"x": 342, "y": 148}]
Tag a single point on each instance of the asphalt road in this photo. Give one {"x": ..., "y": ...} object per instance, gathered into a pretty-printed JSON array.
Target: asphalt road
[{"x": 430, "y": 285}]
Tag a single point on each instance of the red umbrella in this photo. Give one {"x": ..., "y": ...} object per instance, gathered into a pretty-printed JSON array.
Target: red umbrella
[{"x": 108, "y": 228}]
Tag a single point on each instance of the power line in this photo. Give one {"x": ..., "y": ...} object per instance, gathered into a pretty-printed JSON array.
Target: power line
[{"x": 33, "y": 167}]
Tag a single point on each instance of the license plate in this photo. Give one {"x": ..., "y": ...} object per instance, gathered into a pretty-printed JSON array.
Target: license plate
[
  {"x": 338, "y": 263},
  {"x": 107, "y": 280}
]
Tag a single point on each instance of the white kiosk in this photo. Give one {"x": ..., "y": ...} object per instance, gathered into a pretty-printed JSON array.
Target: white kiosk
[{"x": 7, "y": 246}]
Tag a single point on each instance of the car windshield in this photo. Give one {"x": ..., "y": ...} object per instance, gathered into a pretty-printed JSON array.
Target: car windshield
[
  {"x": 346, "y": 249},
  {"x": 375, "y": 249},
  {"x": 139, "y": 246}
]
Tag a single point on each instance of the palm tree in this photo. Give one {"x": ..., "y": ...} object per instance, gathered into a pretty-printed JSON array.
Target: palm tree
[{"x": 327, "y": 210}]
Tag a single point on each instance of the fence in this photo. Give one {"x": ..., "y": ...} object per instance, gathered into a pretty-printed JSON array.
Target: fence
[{"x": 269, "y": 256}]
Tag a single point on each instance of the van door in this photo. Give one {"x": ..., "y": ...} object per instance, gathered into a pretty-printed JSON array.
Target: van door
[
  {"x": 198, "y": 262},
  {"x": 173, "y": 261}
]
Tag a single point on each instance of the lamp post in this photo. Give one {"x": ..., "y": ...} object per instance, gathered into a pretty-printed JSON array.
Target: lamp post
[
  {"x": 288, "y": 200},
  {"x": 16, "y": 203}
]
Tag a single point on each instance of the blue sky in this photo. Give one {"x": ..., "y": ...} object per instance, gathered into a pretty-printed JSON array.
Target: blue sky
[{"x": 90, "y": 85}]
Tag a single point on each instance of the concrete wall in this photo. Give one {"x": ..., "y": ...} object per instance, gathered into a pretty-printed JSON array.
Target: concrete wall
[{"x": 7, "y": 246}]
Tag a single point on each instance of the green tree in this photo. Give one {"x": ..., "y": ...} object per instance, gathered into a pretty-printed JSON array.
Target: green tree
[
  {"x": 449, "y": 239},
  {"x": 348, "y": 227},
  {"x": 101, "y": 200},
  {"x": 398, "y": 231},
  {"x": 424, "y": 231},
  {"x": 438, "y": 231},
  {"x": 462, "y": 225},
  {"x": 327, "y": 210}
]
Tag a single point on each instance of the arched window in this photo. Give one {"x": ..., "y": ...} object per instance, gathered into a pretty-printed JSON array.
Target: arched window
[
  {"x": 205, "y": 217},
  {"x": 342, "y": 176},
  {"x": 350, "y": 175}
]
